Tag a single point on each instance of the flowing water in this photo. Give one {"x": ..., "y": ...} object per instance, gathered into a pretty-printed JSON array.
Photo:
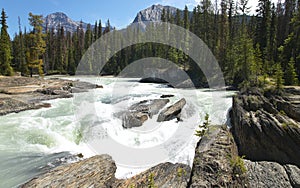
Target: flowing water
[{"x": 34, "y": 141}]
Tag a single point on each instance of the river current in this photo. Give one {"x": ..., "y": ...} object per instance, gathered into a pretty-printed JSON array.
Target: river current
[{"x": 34, "y": 141}]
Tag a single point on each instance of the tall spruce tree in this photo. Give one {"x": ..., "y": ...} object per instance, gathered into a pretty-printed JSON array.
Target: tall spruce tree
[
  {"x": 19, "y": 52},
  {"x": 290, "y": 75},
  {"x": 5, "y": 48},
  {"x": 278, "y": 77},
  {"x": 263, "y": 31},
  {"x": 223, "y": 36},
  {"x": 37, "y": 45}
]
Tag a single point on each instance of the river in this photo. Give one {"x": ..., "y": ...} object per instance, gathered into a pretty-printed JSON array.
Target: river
[{"x": 34, "y": 141}]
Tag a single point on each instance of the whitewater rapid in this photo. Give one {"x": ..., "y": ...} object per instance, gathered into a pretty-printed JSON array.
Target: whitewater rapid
[{"x": 75, "y": 124}]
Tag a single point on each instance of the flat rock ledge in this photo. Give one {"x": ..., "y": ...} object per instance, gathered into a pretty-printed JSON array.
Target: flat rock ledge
[
  {"x": 23, "y": 93},
  {"x": 97, "y": 171}
]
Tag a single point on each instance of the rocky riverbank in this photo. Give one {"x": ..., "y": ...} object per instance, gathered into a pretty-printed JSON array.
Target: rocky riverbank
[
  {"x": 266, "y": 128},
  {"x": 260, "y": 150},
  {"x": 216, "y": 164},
  {"x": 23, "y": 93},
  {"x": 266, "y": 125}
]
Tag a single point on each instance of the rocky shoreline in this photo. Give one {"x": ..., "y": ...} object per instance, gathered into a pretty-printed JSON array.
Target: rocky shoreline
[
  {"x": 23, "y": 93},
  {"x": 216, "y": 164}
]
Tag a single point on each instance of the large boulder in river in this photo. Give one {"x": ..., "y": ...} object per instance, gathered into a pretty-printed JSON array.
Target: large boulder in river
[
  {"x": 172, "y": 111},
  {"x": 134, "y": 119},
  {"x": 138, "y": 113}
]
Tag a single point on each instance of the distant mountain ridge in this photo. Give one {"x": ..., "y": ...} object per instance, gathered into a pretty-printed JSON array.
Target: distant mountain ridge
[{"x": 60, "y": 19}]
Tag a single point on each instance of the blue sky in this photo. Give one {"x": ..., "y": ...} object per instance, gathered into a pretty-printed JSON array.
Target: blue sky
[{"x": 120, "y": 12}]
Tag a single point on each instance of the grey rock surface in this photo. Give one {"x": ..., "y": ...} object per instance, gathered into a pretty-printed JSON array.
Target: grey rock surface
[
  {"x": 172, "y": 111},
  {"x": 264, "y": 130}
]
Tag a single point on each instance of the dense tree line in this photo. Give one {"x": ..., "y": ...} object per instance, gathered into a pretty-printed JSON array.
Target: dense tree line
[
  {"x": 251, "y": 50},
  {"x": 54, "y": 51}
]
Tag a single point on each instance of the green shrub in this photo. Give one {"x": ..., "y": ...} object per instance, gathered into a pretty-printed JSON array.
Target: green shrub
[
  {"x": 282, "y": 112},
  {"x": 151, "y": 181},
  {"x": 203, "y": 128},
  {"x": 238, "y": 165},
  {"x": 180, "y": 172}
]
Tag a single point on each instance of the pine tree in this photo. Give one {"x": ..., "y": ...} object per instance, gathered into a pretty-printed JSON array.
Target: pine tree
[
  {"x": 186, "y": 23},
  {"x": 272, "y": 47},
  {"x": 99, "y": 29},
  {"x": 223, "y": 37},
  {"x": 95, "y": 33},
  {"x": 243, "y": 51},
  {"x": 290, "y": 76},
  {"x": 178, "y": 19},
  {"x": 291, "y": 47},
  {"x": 281, "y": 27},
  {"x": 163, "y": 16},
  {"x": 206, "y": 30},
  {"x": 257, "y": 65},
  {"x": 71, "y": 69},
  {"x": 263, "y": 31},
  {"x": 88, "y": 37},
  {"x": 19, "y": 52},
  {"x": 79, "y": 45},
  {"x": 278, "y": 76},
  {"x": 38, "y": 45},
  {"x": 5, "y": 48},
  {"x": 108, "y": 27}
]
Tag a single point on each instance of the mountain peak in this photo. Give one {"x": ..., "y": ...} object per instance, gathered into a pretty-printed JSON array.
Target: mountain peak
[
  {"x": 153, "y": 13},
  {"x": 60, "y": 19}
]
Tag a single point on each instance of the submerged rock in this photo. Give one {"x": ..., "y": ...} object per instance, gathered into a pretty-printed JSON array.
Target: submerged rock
[
  {"x": 166, "y": 96},
  {"x": 172, "y": 111},
  {"x": 153, "y": 80}
]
